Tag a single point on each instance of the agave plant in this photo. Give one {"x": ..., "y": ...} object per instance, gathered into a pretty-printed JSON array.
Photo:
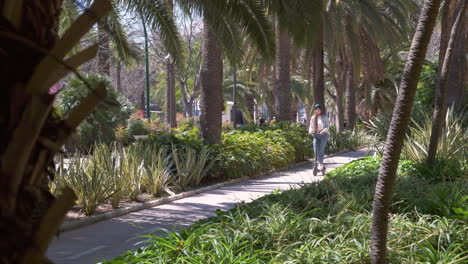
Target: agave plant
[
  {"x": 89, "y": 182},
  {"x": 452, "y": 145},
  {"x": 157, "y": 172},
  {"x": 58, "y": 184},
  {"x": 191, "y": 166},
  {"x": 132, "y": 166},
  {"x": 108, "y": 159}
]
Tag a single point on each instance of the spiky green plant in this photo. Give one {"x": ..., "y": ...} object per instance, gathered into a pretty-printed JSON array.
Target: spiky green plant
[
  {"x": 89, "y": 182},
  {"x": 191, "y": 166},
  {"x": 157, "y": 171},
  {"x": 108, "y": 159},
  {"x": 453, "y": 143},
  {"x": 132, "y": 166}
]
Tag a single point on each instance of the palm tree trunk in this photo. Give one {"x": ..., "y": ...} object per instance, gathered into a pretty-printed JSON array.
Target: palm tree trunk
[
  {"x": 339, "y": 106},
  {"x": 458, "y": 74},
  {"x": 350, "y": 99},
  {"x": 283, "y": 75},
  {"x": 441, "y": 91},
  {"x": 250, "y": 105},
  {"x": 119, "y": 77},
  {"x": 318, "y": 67},
  {"x": 397, "y": 131},
  {"x": 103, "y": 55},
  {"x": 211, "y": 77},
  {"x": 29, "y": 215},
  {"x": 350, "y": 88}
]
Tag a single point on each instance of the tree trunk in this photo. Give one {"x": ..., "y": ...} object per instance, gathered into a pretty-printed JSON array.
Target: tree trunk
[
  {"x": 350, "y": 89},
  {"x": 441, "y": 91},
  {"x": 119, "y": 77},
  {"x": 103, "y": 55},
  {"x": 30, "y": 134},
  {"x": 397, "y": 131},
  {"x": 283, "y": 75},
  {"x": 211, "y": 77},
  {"x": 250, "y": 105},
  {"x": 339, "y": 107},
  {"x": 318, "y": 66},
  {"x": 458, "y": 74}
]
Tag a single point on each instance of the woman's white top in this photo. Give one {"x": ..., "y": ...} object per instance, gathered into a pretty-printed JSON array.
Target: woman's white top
[{"x": 322, "y": 124}]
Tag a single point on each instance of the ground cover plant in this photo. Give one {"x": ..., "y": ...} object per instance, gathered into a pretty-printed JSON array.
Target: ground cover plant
[{"x": 326, "y": 222}]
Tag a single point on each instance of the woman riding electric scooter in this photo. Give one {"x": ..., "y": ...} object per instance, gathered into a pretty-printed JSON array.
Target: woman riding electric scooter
[{"x": 319, "y": 129}]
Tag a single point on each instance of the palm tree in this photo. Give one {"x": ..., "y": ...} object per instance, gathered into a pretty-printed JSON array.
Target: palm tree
[
  {"x": 283, "y": 74},
  {"x": 397, "y": 131},
  {"x": 225, "y": 24},
  {"x": 441, "y": 91},
  {"x": 458, "y": 69},
  {"x": 31, "y": 133}
]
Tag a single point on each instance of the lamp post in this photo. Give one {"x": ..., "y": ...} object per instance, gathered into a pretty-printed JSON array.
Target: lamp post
[
  {"x": 148, "y": 111},
  {"x": 234, "y": 99}
]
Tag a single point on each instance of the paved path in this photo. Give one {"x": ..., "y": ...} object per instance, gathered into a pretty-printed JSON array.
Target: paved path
[{"x": 113, "y": 237}]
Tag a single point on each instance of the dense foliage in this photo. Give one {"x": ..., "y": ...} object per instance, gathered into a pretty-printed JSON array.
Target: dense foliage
[
  {"x": 100, "y": 125},
  {"x": 325, "y": 222}
]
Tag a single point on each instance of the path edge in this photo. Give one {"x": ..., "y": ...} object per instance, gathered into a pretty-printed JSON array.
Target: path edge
[{"x": 75, "y": 224}]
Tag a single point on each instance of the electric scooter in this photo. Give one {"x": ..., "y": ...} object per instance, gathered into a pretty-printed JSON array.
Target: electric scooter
[{"x": 315, "y": 170}]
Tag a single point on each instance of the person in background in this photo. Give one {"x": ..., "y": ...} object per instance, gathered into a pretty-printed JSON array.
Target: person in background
[
  {"x": 261, "y": 121},
  {"x": 273, "y": 121},
  {"x": 319, "y": 128}
]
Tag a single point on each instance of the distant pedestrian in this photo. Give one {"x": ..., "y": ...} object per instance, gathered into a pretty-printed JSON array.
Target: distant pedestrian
[
  {"x": 319, "y": 128},
  {"x": 239, "y": 118},
  {"x": 273, "y": 121},
  {"x": 261, "y": 121}
]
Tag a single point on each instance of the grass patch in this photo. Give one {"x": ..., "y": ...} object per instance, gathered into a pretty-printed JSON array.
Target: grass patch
[{"x": 326, "y": 222}]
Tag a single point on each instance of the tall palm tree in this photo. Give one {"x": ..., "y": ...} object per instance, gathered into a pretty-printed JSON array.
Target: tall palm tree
[
  {"x": 225, "y": 24},
  {"x": 397, "y": 130},
  {"x": 458, "y": 69},
  {"x": 441, "y": 90},
  {"x": 283, "y": 74},
  {"x": 171, "y": 111},
  {"x": 31, "y": 134}
]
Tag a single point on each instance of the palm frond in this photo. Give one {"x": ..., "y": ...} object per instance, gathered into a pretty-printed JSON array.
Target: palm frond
[{"x": 156, "y": 14}]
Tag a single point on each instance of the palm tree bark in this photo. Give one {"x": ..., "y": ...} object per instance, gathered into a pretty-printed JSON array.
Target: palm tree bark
[
  {"x": 397, "y": 131},
  {"x": 458, "y": 74},
  {"x": 318, "y": 76},
  {"x": 283, "y": 75},
  {"x": 350, "y": 89},
  {"x": 103, "y": 55},
  {"x": 350, "y": 99},
  {"x": 211, "y": 77},
  {"x": 441, "y": 91},
  {"x": 31, "y": 134},
  {"x": 119, "y": 77}
]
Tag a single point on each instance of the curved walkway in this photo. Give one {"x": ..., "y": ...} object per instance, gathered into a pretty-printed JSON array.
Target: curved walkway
[{"x": 110, "y": 238}]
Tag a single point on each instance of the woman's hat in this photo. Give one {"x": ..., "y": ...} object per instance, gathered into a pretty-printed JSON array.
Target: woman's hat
[{"x": 318, "y": 106}]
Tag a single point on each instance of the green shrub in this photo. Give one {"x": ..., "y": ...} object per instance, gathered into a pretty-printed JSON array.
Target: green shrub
[
  {"x": 378, "y": 126},
  {"x": 157, "y": 171},
  {"x": 191, "y": 166},
  {"x": 132, "y": 166},
  {"x": 346, "y": 140},
  {"x": 245, "y": 153},
  {"x": 100, "y": 125},
  {"x": 322, "y": 222},
  {"x": 109, "y": 161},
  {"x": 89, "y": 182}
]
